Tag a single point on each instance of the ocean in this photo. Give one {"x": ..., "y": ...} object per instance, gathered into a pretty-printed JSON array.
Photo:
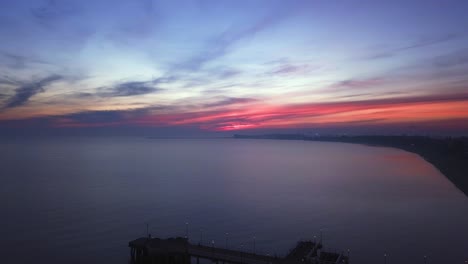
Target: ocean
[{"x": 81, "y": 200}]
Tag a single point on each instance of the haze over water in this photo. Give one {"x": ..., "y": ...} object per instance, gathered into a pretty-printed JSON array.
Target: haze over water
[{"x": 80, "y": 200}]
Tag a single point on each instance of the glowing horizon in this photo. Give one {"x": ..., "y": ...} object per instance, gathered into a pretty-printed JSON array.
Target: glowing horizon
[{"x": 234, "y": 65}]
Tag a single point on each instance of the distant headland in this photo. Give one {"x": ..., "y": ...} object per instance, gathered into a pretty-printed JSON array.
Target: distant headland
[{"x": 449, "y": 155}]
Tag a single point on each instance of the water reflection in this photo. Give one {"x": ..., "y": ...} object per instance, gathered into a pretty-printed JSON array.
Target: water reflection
[{"x": 82, "y": 200}]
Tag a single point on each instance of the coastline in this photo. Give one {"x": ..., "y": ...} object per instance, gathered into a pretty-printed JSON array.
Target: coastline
[{"x": 448, "y": 155}]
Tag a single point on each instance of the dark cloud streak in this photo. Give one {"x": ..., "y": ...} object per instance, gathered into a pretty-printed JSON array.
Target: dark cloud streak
[
  {"x": 6, "y": 80},
  {"x": 420, "y": 43},
  {"x": 223, "y": 43},
  {"x": 356, "y": 83},
  {"x": 457, "y": 58},
  {"x": 289, "y": 68},
  {"x": 231, "y": 101},
  {"x": 28, "y": 90},
  {"x": 131, "y": 88}
]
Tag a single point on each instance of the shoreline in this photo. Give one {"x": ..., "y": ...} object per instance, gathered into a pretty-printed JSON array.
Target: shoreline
[{"x": 448, "y": 155}]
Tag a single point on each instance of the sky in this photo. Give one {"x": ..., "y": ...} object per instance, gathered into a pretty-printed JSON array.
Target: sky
[{"x": 204, "y": 67}]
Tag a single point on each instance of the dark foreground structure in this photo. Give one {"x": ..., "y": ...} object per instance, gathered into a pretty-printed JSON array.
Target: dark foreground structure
[{"x": 181, "y": 251}]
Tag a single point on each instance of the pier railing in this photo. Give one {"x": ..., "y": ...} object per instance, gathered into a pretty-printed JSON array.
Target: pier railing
[{"x": 180, "y": 251}]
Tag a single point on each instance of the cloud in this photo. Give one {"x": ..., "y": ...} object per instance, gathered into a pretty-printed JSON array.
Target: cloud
[
  {"x": 289, "y": 68},
  {"x": 307, "y": 114},
  {"x": 165, "y": 79},
  {"x": 429, "y": 41},
  {"x": 129, "y": 89},
  {"x": 373, "y": 112},
  {"x": 230, "y": 101},
  {"x": 456, "y": 58},
  {"x": 227, "y": 73},
  {"x": 28, "y": 90},
  {"x": 6, "y": 80},
  {"x": 19, "y": 61},
  {"x": 419, "y": 43},
  {"x": 52, "y": 12},
  {"x": 82, "y": 95},
  {"x": 99, "y": 117},
  {"x": 356, "y": 83},
  {"x": 140, "y": 22},
  {"x": 222, "y": 44}
]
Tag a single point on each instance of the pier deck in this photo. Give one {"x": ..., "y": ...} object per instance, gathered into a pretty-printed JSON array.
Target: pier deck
[{"x": 180, "y": 251}]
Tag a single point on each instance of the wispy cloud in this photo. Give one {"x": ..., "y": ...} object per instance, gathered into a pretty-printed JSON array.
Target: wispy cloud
[
  {"x": 230, "y": 101},
  {"x": 456, "y": 58},
  {"x": 52, "y": 12},
  {"x": 419, "y": 43},
  {"x": 290, "y": 68},
  {"x": 131, "y": 88},
  {"x": 356, "y": 83},
  {"x": 223, "y": 43},
  {"x": 6, "y": 80},
  {"x": 166, "y": 79},
  {"x": 16, "y": 61},
  {"x": 99, "y": 118},
  {"x": 399, "y": 110},
  {"x": 143, "y": 24},
  {"x": 226, "y": 73},
  {"x": 28, "y": 90}
]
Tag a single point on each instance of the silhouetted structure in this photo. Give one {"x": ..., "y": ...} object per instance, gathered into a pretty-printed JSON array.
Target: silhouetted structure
[{"x": 181, "y": 251}]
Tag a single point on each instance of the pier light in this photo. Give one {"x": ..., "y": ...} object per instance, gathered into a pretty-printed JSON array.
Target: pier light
[
  {"x": 254, "y": 244},
  {"x": 201, "y": 236},
  {"x": 227, "y": 239}
]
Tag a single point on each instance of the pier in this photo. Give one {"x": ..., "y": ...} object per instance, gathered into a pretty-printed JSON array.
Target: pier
[{"x": 181, "y": 251}]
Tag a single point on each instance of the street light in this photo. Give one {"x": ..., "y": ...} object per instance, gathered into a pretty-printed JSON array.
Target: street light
[
  {"x": 320, "y": 235},
  {"x": 201, "y": 236},
  {"x": 254, "y": 244},
  {"x": 186, "y": 230},
  {"x": 385, "y": 258},
  {"x": 242, "y": 253},
  {"x": 227, "y": 237},
  {"x": 425, "y": 259},
  {"x": 212, "y": 248}
]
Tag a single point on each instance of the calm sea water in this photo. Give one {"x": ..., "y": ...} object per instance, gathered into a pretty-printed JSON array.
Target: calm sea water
[{"x": 80, "y": 200}]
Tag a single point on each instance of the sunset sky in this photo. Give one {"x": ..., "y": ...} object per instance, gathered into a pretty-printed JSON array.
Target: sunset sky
[{"x": 237, "y": 66}]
